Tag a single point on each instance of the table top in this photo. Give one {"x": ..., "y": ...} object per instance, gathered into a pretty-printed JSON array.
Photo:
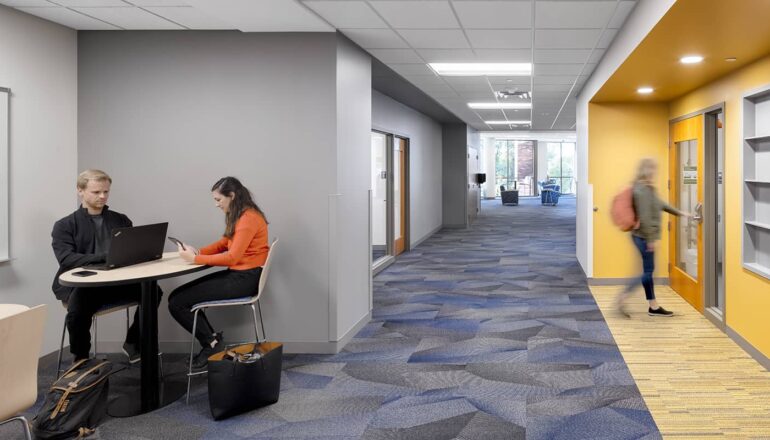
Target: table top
[{"x": 171, "y": 265}]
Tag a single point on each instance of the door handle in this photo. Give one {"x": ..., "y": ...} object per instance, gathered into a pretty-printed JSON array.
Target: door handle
[{"x": 698, "y": 213}]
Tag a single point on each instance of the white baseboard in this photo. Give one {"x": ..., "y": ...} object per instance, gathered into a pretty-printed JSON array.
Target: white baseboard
[{"x": 425, "y": 237}]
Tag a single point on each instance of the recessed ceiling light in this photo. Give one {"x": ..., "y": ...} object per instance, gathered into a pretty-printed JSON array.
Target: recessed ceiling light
[
  {"x": 731, "y": 59},
  {"x": 507, "y": 122},
  {"x": 482, "y": 69},
  {"x": 691, "y": 59},
  {"x": 498, "y": 105},
  {"x": 644, "y": 90}
]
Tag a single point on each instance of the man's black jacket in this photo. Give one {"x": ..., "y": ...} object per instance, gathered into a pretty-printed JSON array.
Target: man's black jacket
[{"x": 74, "y": 241}]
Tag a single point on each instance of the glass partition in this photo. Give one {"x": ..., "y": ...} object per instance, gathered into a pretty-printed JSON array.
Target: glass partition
[
  {"x": 379, "y": 196},
  {"x": 561, "y": 165}
]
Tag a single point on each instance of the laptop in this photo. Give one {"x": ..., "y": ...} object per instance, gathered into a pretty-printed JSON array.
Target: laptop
[{"x": 134, "y": 245}]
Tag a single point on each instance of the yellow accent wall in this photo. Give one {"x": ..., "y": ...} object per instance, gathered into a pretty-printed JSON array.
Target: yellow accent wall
[
  {"x": 619, "y": 135},
  {"x": 747, "y": 297}
]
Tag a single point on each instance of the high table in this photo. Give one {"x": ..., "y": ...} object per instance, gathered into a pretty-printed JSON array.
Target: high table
[{"x": 154, "y": 392}]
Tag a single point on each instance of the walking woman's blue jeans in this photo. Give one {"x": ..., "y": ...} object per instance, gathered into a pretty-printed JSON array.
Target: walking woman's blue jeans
[{"x": 648, "y": 267}]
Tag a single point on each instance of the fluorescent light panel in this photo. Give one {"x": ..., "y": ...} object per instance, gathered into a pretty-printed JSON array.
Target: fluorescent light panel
[
  {"x": 499, "y": 105},
  {"x": 482, "y": 69},
  {"x": 508, "y": 122}
]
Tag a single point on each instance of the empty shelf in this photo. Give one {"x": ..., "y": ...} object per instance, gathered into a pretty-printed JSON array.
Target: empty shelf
[{"x": 758, "y": 224}]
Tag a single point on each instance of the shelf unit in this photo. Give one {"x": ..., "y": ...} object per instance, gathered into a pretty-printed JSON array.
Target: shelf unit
[{"x": 756, "y": 182}]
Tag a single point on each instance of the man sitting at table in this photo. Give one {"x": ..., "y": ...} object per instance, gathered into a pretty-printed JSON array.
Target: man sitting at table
[{"x": 81, "y": 238}]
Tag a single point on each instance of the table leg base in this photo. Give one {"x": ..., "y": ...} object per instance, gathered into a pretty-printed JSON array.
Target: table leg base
[{"x": 129, "y": 405}]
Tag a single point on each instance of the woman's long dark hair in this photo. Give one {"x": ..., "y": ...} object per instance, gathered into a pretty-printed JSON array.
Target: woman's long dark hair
[{"x": 232, "y": 187}]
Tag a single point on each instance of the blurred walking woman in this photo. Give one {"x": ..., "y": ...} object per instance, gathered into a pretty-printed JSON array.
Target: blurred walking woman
[
  {"x": 648, "y": 207},
  {"x": 242, "y": 249}
]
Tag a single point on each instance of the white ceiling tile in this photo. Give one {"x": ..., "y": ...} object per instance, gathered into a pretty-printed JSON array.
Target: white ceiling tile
[
  {"x": 494, "y": 14},
  {"x": 375, "y": 38},
  {"x": 416, "y": 14},
  {"x": 435, "y": 38},
  {"x": 606, "y": 39},
  {"x": 500, "y": 39},
  {"x": 188, "y": 17},
  {"x": 27, "y": 3},
  {"x": 505, "y": 55},
  {"x": 471, "y": 94},
  {"x": 561, "y": 56},
  {"x": 159, "y": 2},
  {"x": 129, "y": 18},
  {"x": 69, "y": 18},
  {"x": 412, "y": 69},
  {"x": 566, "y": 38},
  {"x": 480, "y": 88},
  {"x": 347, "y": 14},
  {"x": 91, "y": 3},
  {"x": 447, "y": 55},
  {"x": 621, "y": 13},
  {"x": 556, "y": 79},
  {"x": 466, "y": 81},
  {"x": 396, "y": 55},
  {"x": 264, "y": 15},
  {"x": 513, "y": 81},
  {"x": 558, "y": 69},
  {"x": 573, "y": 14}
]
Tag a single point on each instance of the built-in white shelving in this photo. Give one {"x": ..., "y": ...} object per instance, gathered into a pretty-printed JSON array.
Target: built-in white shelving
[{"x": 756, "y": 178}]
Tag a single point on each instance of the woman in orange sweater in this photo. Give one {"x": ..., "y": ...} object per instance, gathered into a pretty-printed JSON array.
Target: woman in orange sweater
[{"x": 242, "y": 249}]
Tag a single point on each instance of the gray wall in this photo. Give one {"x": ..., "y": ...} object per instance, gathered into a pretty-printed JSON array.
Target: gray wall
[
  {"x": 351, "y": 288},
  {"x": 38, "y": 64},
  {"x": 168, "y": 113},
  {"x": 425, "y": 153},
  {"x": 454, "y": 175}
]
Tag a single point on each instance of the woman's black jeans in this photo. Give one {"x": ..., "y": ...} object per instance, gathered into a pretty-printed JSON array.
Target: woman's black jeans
[
  {"x": 648, "y": 267},
  {"x": 226, "y": 284}
]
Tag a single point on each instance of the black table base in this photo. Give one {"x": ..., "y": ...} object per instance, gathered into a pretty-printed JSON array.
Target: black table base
[{"x": 130, "y": 404}]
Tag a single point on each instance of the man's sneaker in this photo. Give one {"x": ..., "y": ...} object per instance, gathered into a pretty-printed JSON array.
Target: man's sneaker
[
  {"x": 132, "y": 352},
  {"x": 201, "y": 361},
  {"x": 660, "y": 311}
]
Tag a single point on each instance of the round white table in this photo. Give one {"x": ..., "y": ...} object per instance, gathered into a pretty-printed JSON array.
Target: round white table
[{"x": 154, "y": 392}]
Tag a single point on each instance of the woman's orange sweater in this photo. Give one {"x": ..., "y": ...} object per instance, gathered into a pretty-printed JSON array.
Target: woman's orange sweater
[{"x": 246, "y": 250}]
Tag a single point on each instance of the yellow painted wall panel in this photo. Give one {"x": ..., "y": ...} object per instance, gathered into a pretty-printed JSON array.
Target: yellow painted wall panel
[
  {"x": 747, "y": 298},
  {"x": 619, "y": 135}
]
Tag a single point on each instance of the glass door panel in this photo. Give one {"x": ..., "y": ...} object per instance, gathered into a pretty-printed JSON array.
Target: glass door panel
[
  {"x": 379, "y": 196},
  {"x": 687, "y": 243}
]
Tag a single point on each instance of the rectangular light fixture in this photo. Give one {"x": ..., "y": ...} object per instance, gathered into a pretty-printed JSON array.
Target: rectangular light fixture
[
  {"x": 482, "y": 69},
  {"x": 508, "y": 122},
  {"x": 499, "y": 105}
]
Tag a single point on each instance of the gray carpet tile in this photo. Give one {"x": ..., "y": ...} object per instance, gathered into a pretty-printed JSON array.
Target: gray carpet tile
[{"x": 484, "y": 333}]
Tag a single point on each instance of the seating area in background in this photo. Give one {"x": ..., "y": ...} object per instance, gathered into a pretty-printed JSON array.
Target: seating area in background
[
  {"x": 549, "y": 192},
  {"x": 509, "y": 197}
]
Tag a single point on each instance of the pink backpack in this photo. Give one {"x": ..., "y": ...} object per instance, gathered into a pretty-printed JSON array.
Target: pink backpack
[{"x": 622, "y": 210}]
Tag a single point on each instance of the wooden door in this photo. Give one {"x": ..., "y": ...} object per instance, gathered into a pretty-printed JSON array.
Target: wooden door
[
  {"x": 399, "y": 195},
  {"x": 686, "y": 192}
]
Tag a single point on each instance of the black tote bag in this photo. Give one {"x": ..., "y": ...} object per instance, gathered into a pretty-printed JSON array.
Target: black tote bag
[{"x": 244, "y": 378}]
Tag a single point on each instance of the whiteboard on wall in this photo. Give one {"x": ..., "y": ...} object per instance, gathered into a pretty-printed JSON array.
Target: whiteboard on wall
[{"x": 4, "y": 190}]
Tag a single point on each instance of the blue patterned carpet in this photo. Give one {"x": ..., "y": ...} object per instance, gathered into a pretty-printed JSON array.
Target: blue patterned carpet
[{"x": 485, "y": 333}]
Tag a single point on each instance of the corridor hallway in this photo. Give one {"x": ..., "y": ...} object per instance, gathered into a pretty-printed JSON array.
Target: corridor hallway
[{"x": 486, "y": 333}]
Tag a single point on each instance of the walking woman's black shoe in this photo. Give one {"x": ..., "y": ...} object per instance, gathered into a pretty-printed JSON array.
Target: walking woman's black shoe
[{"x": 660, "y": 311}]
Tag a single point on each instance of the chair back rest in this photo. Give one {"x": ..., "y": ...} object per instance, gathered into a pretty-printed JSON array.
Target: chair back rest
[
  {"x": 266, "y": 268},
  {"x": 502, "y": 188},
  {"x": 21, "y": 337}
]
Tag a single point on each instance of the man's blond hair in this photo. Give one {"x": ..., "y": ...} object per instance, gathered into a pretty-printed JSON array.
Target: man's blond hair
[{"x": 95, "y": 175}]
